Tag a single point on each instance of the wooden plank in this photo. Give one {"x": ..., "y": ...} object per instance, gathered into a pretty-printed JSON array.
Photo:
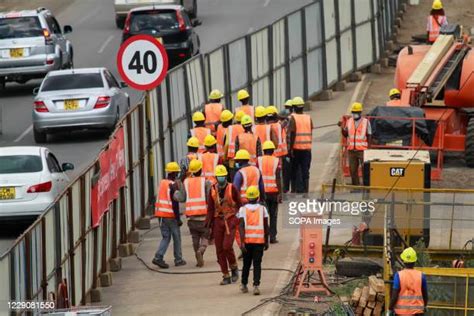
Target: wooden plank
[
  {"x": 359, "y": 310},
  {"x": 378, "y": 308},
  {"x": 371, "y": 304},
  {"x": 377, "y": 284},
  {"x": 380, "y": 297},
  {"x": 356, "y": 296},
  {"x": 372, "y": 294},
  {"x": 364, "y": 297},
  {"x": 368, "y": 312}
]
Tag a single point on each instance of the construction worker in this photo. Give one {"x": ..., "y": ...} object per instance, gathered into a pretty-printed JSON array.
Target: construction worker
[
  {"x": 409, "y": 290},
  {"x": 278, "y": 133},
  {"x": 193, "y": 147},
  {"x": 269, "y": 167},
  {"x": 244, "y": 97},
  {"x": 194, "y": 193},
  {"x": 226, "y": 120},
  {"x": 253, "y": 230},
  {"x": 289, "y": 105},
  {"x": 167, "y": 211},
  {"x": 358, "y": 133},
  {"x": 394, "y": 96},
  {"x": 199, "y": 131},
  {"x": 248, "y": 140},
  {"x": 284, "y": 117},
  {"x": 262, "y": 129},
  {"x": 233, "y": 131},
  {"x": 224, "y": 203},
  {"x": 246, "y": 175},
  {"x": 436, "y": 20},
  {"x": 210, "y": 158},
  {"x": 301, "y": 135},
  {"x": 213, "y": 110}
]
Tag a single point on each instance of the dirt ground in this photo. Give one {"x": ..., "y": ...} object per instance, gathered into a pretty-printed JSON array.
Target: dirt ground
[{"x": 455, "y": 174}]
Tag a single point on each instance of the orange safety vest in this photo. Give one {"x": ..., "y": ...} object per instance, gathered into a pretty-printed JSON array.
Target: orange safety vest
[
  {"x": 232, "y": 132},
  {"x": 220, "y": 137},
  {"x": 195, "y": 196},
  {"x": 164, "y": 204},
  {"x": 254, "y": 229},
  {"x": 248, "y": 141},
  {"x": 263, "y": 131},
  {"x": 226, "y": 206},
  {"x": 434, "y": 26},
  {"x": 212, "y": 111},
  {"x": 410, "y": 299},
  {"x": 248, "y": 109},
  {"x": 268, "y": 166},
  {"x": 304, "y": 133},
  {"x": 282, "y": 147},
  {"x": 250, "y": 177},
  {"x": 209, "y": 163},
  {"x": 357, "y": 138},
  {"x": 200, "y": 133}
]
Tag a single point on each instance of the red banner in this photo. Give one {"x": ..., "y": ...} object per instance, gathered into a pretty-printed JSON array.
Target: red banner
[{"x": 112, "y": 178}]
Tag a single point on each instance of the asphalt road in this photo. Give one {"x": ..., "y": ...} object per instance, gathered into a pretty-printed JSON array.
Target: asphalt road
[{"x": 96, "y": 41}]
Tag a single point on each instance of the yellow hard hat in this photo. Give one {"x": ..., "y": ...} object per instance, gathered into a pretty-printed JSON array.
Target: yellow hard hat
[
  {"x": 209, "y": 140},
  {"x": 193, "y": 142},
  {"x": 215, "y": 94},
  {"x": 246, "y": 120},
  {"x": 437, "y": 5},
  {"x": 240, "y": 114},
  {"x": 195, "y": 165},
  {"x": 242, "y": 154},
  {"x": 226, "y": 116},
  {"x": 268, "y": 145},
  {"x": 356, "y": 107},
  {"x": 297, "y": 101},
  {"x": 260, "y": 111},
  {"x": 393, "y": 92},
  {"x": 271, "y": 109},
  {"x": 242, "y": 94},
  {"x": 172, "y": 167},
  {"x": 289, "y": 103},
  {"x": 220, "y": 171},
  {"x": 198, "y": 117},
  {"x": 409, "y": 255},
  {"x": 252, "y": 192}
]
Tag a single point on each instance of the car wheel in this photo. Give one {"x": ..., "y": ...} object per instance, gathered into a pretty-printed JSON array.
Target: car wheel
[{"x": 40, "y": 137}]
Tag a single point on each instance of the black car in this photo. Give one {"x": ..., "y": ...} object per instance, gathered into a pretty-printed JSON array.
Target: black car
[{"x": 170, "y": 24}]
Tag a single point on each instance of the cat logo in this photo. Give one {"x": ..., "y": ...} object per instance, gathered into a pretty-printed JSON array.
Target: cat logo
[{"x": 397, "y": 172}]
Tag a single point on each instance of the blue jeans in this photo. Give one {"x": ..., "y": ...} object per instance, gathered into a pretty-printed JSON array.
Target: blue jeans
[{"x": 169, "y": 229}]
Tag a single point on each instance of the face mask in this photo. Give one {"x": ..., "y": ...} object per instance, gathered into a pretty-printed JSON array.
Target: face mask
[
  {"x": 237, "y": 165},
  {"x": 356, "y": 116},
  {"x": 221, "y": 181}
]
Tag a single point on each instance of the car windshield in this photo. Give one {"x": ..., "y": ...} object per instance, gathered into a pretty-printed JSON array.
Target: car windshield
[
  {"x": 73, "y": 81},
  {"x": 20, "y": 164},
  {"x": 18, "y": 27},
  {"x": 154, "y": 20}
]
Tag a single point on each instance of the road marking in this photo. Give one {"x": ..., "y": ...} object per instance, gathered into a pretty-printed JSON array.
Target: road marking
[
  {"x": 87, "y": 17},
  {"x": 104, "y": 45},
  {"x": 26, "y": 132},
  {"x": 267, "y": 2}
]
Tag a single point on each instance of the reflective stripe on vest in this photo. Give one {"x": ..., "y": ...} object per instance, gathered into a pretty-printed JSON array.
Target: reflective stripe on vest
[
  {"x": 434, "y": 26},
  {"x": 195, "y": 196},
  {"x": 247, "y": 109},
  {"x": 164, "y": 204},
  {"x": 357, "y": 138},
  {"x": 254, "y": 230},
  {"x": 304, "y": 134},
  {"x": 250, "y": 176},
  {"x": 263, "y": 131},
  {"x": 268, "y": 167},
  {"x": 410, "y": 299},
  {"x": 248, "y": 141},
  {"x": 220, "y": 137},
  {"x": 200, "y": 133},
  {"x": 282, "y": 147},
  {"x": 212, "y": 112},
  {"x": 232, "y": 132},
  {"x": 209, "y": 163}
]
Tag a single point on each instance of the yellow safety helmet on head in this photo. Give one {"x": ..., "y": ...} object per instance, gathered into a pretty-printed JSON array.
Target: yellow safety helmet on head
[
  {"x": 437, "y": 5},
  {"x": 356, "y": 107},
  {"x": 268, "y": 145},
  {"x": 220, "y": 171},
  {"x": 215, "y": 95},
  {"x": 271, "y": 109},
  {"x": 195, "y": 165},
  {"x": 409, "y": 255},
  {"x": 209, "y": 140},
  {"x": 252, "y": 192},
  {"x": 242, "y": 94},
  {"x": 239, "y": 115},
  {"x": 289, "y": 103},
  {"x": 393, "y": 92},
  {"x": 172, "y": 167},
  {"x": 193, "y": 142},
  {"x": 246, "y": 120},
  {"x": 198, "y": 117},
  {"x": 260, "y": 111},
  {"x": 242, "y": 154},
  {"x": 297, "y": 101},
  {"x": 226, "y": 116}
]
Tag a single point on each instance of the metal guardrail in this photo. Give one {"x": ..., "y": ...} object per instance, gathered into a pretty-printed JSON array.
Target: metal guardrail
[{"x": 302, "y": 53}]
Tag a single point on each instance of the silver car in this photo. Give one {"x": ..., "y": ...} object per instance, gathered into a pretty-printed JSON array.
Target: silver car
[
  {"x": 88, "y": 98},
  {"x": 31, "y": 45}
]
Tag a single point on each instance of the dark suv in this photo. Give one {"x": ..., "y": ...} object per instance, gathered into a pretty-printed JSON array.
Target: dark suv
[{"x": 169, "y": 24}]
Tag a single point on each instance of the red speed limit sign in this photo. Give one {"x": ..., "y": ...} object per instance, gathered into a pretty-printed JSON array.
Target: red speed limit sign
[{"x": 142, "y": 62}]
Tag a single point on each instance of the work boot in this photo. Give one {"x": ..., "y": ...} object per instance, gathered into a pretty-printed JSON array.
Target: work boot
[
  {"x": 235, "y": 275},
  {"x": 274, "y": 241},
  {"x": 161, "y": 263},
  {"x": 226, "y": 280},
  {"x": 244, "y": 288},
  {"x": 179, "y": 263},
  {"x": 256, "y": 290},
  {"x": 199, "y": 259}
]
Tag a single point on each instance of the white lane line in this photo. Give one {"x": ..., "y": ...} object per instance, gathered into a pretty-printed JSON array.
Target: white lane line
[
  {"x": 104, "y": 45},
  {"x": 267, "y": 2},
  {"x": 86, "y": 17},
  {"x": 26, "y": 132}
]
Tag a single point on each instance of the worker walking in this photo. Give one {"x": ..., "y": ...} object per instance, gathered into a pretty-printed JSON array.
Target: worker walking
[
  {"x": 284, "y": 117},
  {"x": 436, "y": 20},
  {"x": 269, "y": 167},
  {"x": 226, "y": 121},
  {"x": 167, "y": 211},
  {"x": 213, "y": 110},
  {"x": 358, "y": 133},
  {"x": 193, "y": 148},
  {"x": 246, "y": 175},
  {"x": 210, "y": 158},
  {"x": 262, "y": 129},
  {"x": 278, "y": 133},
  {"x": 248, "y": 140},
  {"x": 409, "y": 290},
  {"x": 199, "y": 131},
  {"x": 289, "y": 105},
  {"x": 253, "y": 230},
  {"x": 244, "y": 97},
  {"x": 223, "y": 206},
  {"x": 394, "y": 96},
  {"x": 301, "y": 138},
  {"x": 233, "y": 131}
]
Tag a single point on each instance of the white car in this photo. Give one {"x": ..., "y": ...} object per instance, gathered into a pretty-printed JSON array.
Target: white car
[{"x": 30, "y": 179}]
